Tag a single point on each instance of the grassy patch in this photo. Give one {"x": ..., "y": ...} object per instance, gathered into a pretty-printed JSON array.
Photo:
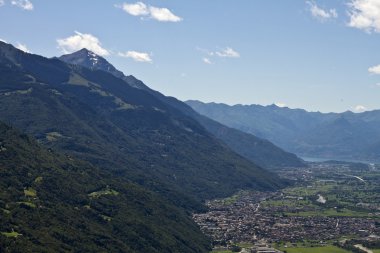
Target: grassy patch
[
  {"x": 38, "y": 180},
  {"x": 245, "y": 245},
  {"x": 12, "y": 234},
  {"x": 76, "y": 79},
  {"x": 325, "y": 249},
  {"x": 30, "y": 192},
  {"x": 102, "y": 193},
  {"x": 27, "y": 204},
  {"x": 330, "y": 213}
]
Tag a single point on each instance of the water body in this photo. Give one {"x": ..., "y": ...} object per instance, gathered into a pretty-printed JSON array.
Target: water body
[
  {"x": 320, "y": 159},
  {"x": 314, "y": 159}
]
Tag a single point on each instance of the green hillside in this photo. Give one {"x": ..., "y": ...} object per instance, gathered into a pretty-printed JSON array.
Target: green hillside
[
  {"x": 52, "y": 203},
  {"x": 97, "y": 117},
  {"x": 259, "y": 151}
]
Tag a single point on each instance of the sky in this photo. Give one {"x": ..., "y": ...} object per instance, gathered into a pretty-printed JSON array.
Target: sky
[{"x": 317, "y": 55}]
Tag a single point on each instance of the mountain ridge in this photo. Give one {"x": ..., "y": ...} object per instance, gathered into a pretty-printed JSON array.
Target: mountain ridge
[
  {"x": 344, "y": 135},
  {"x": 257, "y": 150},
  {"x": 97, "y": 117}
]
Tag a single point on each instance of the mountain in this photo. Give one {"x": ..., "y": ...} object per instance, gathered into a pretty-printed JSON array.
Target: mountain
[
  {"x": 94, "y": 116},
  {"x": 50, "y": 202},
  {"x": 257, "y": 150},
  {"x": 347, "y": 135},
  {"x": 89, "y": 59}
]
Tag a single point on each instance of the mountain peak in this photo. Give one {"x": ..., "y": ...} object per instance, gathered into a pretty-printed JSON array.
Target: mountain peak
[
  {"x": 84, "y": 50},
  {"x": 91, "y": 60},
  {"x": 84, "y": 57}
]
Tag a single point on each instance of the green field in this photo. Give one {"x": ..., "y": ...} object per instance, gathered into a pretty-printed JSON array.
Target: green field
[
  {"x": 341, "y": 198},
  {"x": 326, "y": 249},
  {"x": 12, "y": 234},
  {"x": 331, "y": 213}
]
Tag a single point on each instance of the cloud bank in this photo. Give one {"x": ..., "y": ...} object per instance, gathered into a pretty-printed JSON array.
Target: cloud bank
[
  {"x": 82, "y": 40},
  {"x": 374, "y": 70},
  {"x": 365, "y": 15},
  {"x": 23, "y": 4},
  {"x": 206, "y": 60},
  {"x": 320, "y": 13},
  {"x": 143, "y": 10},
  {"x": 228, "y": 52},
  {"x": 137, "y": 56}
]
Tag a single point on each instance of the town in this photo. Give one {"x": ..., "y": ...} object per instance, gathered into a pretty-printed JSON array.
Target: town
[{"x": 297, "y": 214}]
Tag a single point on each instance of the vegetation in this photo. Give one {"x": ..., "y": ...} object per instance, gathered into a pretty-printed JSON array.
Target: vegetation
[
  {"x": 344, "y": 196},
  {"x": 360, "y": 245},
  {"x": 157, "y": 165},
  {"x": 103, "y": 192},
  {"x": 30, "y": 192},
  {"x": 52, "y": 203},
  {"x": 12, "y": 234},
  {"x": 154, "y": 145},
  {"x": 324, "y": 249}
]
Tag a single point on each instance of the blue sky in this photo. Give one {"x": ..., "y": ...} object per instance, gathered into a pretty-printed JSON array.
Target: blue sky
[{"x": 317, "y": 55}]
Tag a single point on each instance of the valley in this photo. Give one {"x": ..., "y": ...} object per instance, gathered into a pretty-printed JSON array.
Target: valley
[
  {"x": 329, "y": 202},
  {"x": 189, "y": 126}
]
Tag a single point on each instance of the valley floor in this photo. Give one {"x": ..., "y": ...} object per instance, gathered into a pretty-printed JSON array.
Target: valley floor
[{"x": 329, "y": 202}]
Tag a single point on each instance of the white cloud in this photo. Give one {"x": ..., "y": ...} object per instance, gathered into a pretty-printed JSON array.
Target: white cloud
[
  {"x": 22, "y": 47},
  {"x": 279, "y": 104},
  {"x": 211, "y": 56},
  {"x": 137, "y": 56},
  {"x": 23, "y": 4},
  {"x": 320, "y": 13},
  {"x": 163, "y": 15},
  {"x": 364, "y": 15},
  {"x": 3, "y": 40},
  {"x": 206, "y": 60},
  {"x": 82, "y": 40},
  {"x": 141, "y": 9},
  {"x": 378, "y": 84},
  {"x": 205, "y": 51},
  {"x": 360, "y": 108},
  {"x": 137, "y": 9},
  {"x": 374, "y": 70},
  {"x": 1, "y": 3},
  {"x": 228, "y": 52}
]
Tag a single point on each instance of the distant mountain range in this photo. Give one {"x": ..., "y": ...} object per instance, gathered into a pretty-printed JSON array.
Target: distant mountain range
[
  {"x": 126, "y": 136},
  {"x": 257, "y": 150},
  {"x": 348, "y": 136}
]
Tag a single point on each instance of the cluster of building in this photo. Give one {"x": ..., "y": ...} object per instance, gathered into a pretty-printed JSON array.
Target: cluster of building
[{"x": 248, "y": 219}]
